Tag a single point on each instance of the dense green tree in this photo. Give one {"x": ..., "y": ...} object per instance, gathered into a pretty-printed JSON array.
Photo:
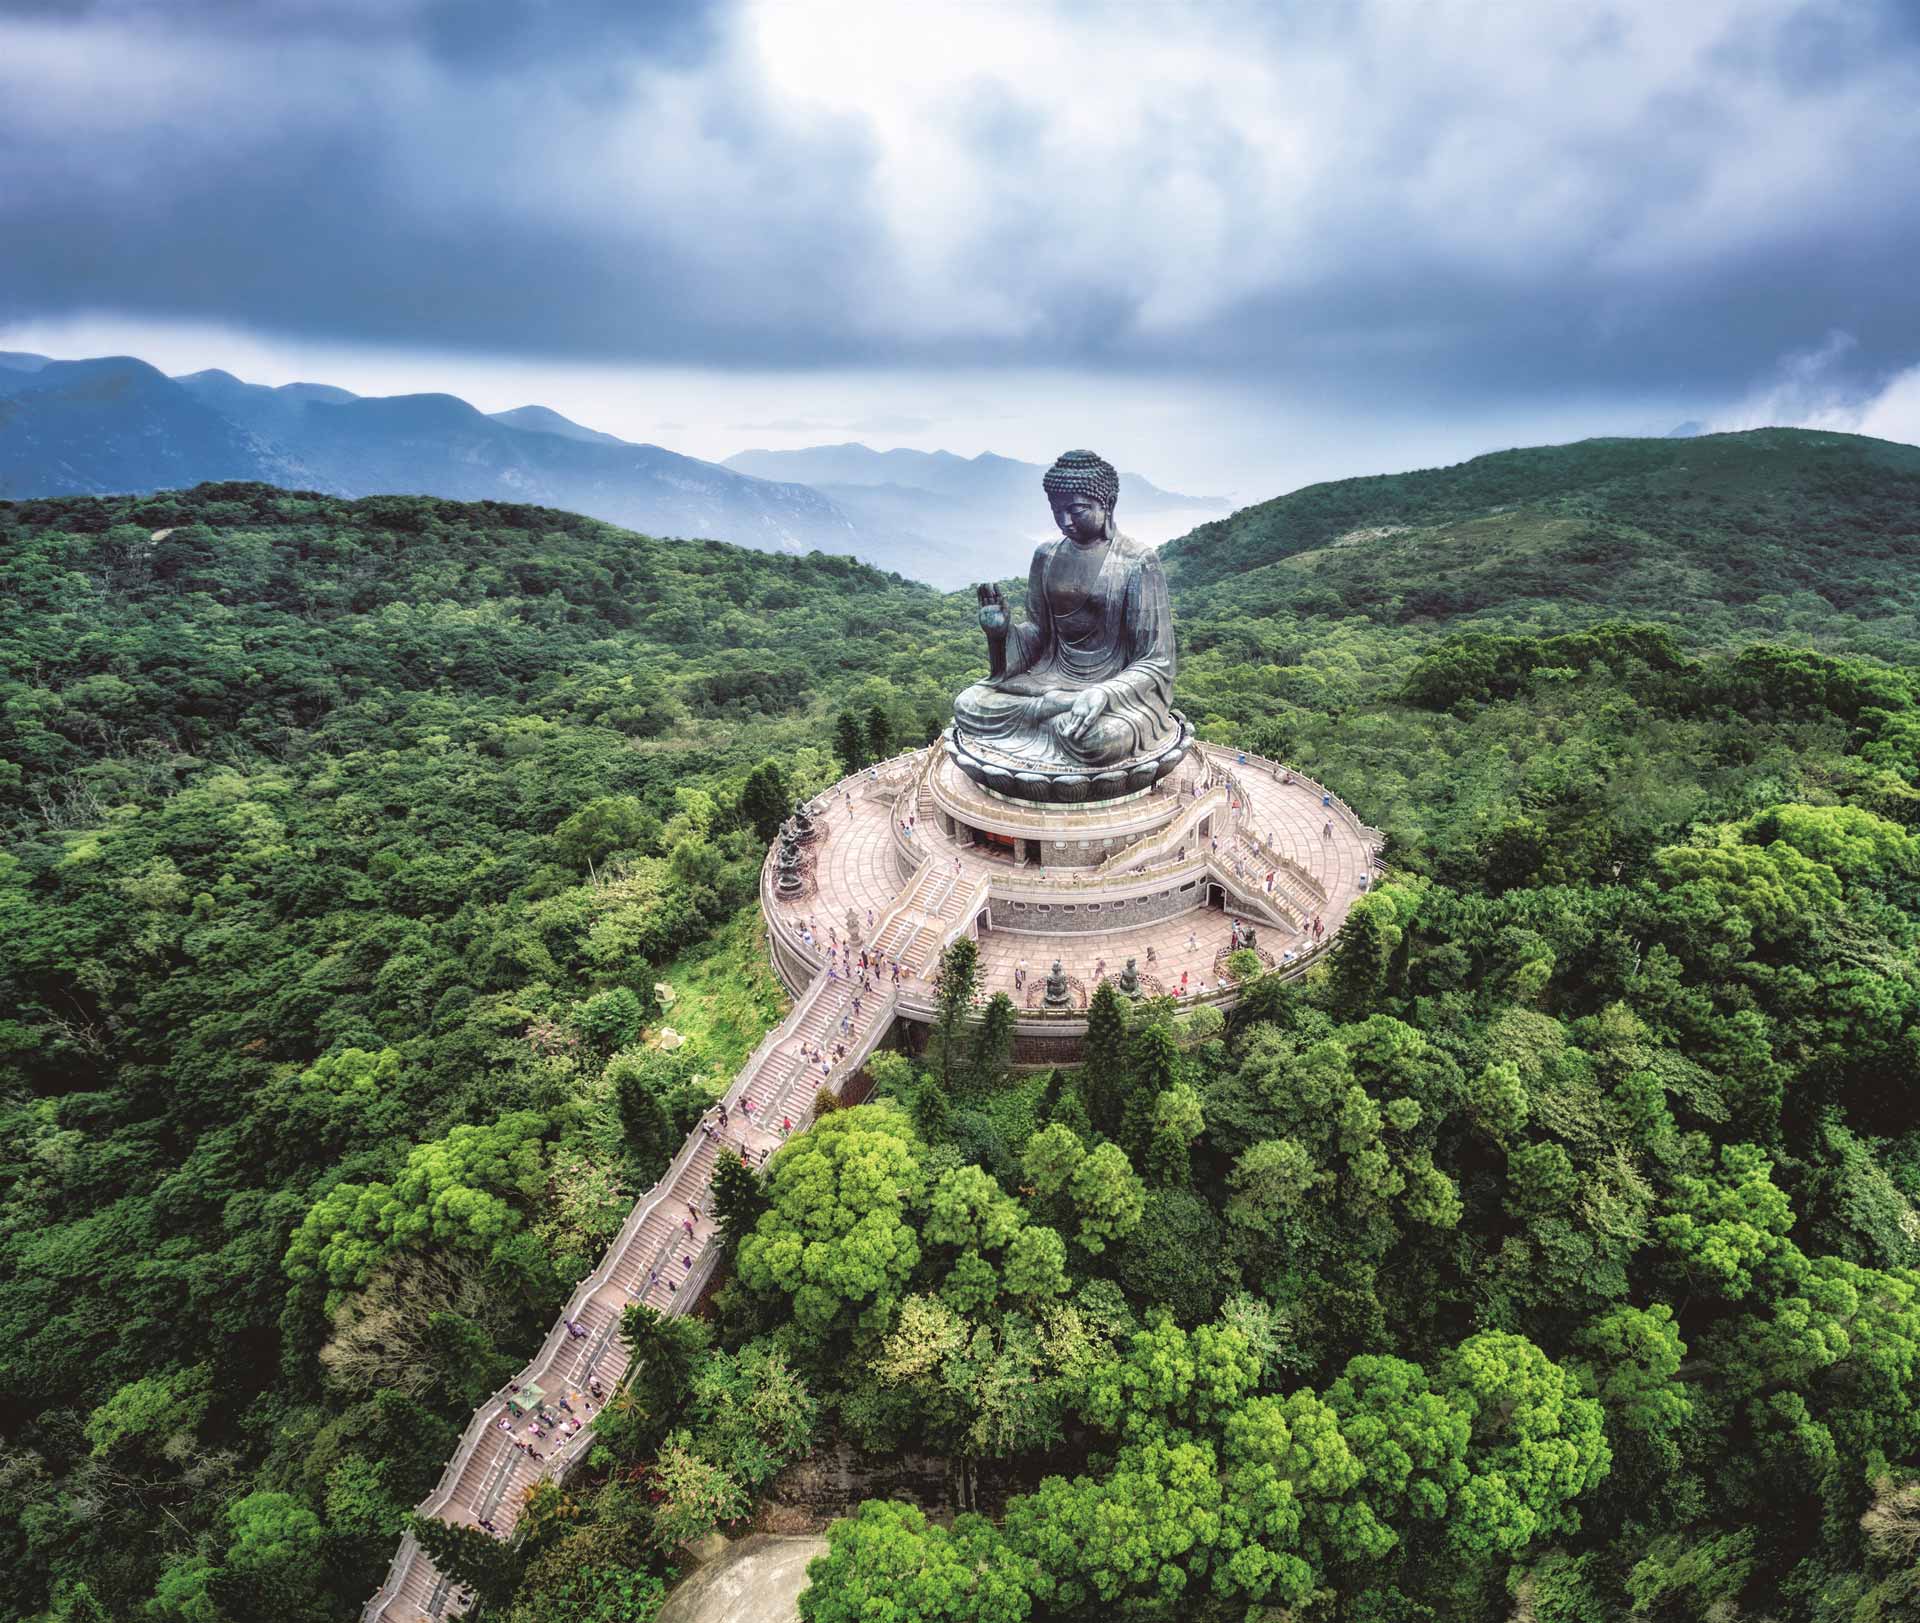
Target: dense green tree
[
  {"x": 694, "y": 1495},
  {"x": 879, "y": 732},
  {"x": 739, "y": 1197},
  {"x": 610, "y": 1020},
  {"x": 1106, "y": 1076},
  {"x": 838, "y": 1238},
  {"x": 1536, "y": 1445},
  {"x": 889, "y": 1561},
  {"x": 452, "y": 1191},
  {"x": 604, "y": 826},
  {"x": 1036, "y": 1264},
  {"x": 1636, "y": 1354},
  {"x": 967, "y": 1209},
  {"x": 1726, "y": 1228},
  {"x": 766, "y": 799},
  {"x": 750, "y": 1413},
  {"x": 1269, "y": 1179},
  {"x": 1107, "y": 1196},
  {"x": 955, "y": 984},
  {"x": 486, "y": 1565},
  {"x": 850, "y": 741}
]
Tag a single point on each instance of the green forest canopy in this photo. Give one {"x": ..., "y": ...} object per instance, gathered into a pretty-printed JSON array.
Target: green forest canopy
[{"x": 1553, "y": 1248}]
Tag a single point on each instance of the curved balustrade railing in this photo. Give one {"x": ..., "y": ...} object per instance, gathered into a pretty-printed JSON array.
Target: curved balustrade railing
[
  {"x": 1124, "y": 869},
  {"x": 917, "y": 1002},
  {"x": 906, "y": 804},
  {"x": 1279, "y": 770},
  {"x": 1141, "y": 852}
]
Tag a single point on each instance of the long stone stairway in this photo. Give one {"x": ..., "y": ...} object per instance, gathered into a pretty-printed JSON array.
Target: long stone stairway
[{"x": 663, "y": 1256}]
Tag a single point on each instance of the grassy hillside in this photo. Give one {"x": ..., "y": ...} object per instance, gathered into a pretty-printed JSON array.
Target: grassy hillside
[{"x": 346, "y": 841}]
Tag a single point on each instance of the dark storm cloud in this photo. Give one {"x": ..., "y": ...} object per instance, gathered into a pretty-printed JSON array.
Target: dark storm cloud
[{"x": 1628, "y": 196}]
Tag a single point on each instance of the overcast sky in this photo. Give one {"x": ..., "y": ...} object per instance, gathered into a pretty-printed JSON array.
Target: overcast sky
[{"x": 1235, "y": 247}]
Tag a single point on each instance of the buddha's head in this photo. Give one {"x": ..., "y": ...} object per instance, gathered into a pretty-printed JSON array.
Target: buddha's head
[{"x": 1083, "y": 489}]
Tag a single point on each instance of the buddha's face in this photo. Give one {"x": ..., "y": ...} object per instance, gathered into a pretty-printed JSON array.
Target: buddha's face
[{"x": 1081, "y": 517}]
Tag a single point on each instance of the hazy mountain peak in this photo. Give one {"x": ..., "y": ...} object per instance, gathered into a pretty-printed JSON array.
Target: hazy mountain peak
[
  {"x": 117, "y": 424},
  {"x": 545, "y": 420},
  {"x": 20, "y": 360},
  {"x": 324, "y": 392}
]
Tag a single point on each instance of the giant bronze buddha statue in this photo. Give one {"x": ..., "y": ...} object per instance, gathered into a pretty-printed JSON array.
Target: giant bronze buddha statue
[{"x": 1078, "y": 702}]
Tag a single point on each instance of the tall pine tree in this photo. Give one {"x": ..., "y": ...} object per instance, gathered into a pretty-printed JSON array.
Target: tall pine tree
[
  {"x": 1156, "y": 1066},
  {"x": 644, "y": 1116},
  {"x": 469, "y": 1556},
  {"x": 879, "y": 732},
  {"x": 849, "y": 741},
  {"x": 765, "y": 800},
  {"x": 953, "y": 988},
  {"x": 664, "y": 1352},
  {"x": 739, "y": 1197},
  {"x": 1105, "y": 1074},
  {"x": 995, "y": 1045}
]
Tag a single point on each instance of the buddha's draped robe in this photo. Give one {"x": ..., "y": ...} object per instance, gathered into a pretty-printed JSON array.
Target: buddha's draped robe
[{"x": 1101, "y": 618}]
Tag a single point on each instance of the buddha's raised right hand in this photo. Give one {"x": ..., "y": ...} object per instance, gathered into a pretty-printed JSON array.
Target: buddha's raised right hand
[{"x": 993, "y": 611}]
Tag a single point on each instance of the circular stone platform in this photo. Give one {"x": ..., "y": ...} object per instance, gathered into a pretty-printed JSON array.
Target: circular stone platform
[{"x": 914, "y": 853}]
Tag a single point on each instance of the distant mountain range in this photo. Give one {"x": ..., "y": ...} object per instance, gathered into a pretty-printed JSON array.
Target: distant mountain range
[
  {"x": 70, "y": 428},
  {"x": 982, "y": 512},
  {"x": 113, "y": 424}
]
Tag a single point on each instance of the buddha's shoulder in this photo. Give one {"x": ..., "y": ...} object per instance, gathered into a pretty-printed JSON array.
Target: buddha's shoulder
[{"x": 1137, "y": 553}]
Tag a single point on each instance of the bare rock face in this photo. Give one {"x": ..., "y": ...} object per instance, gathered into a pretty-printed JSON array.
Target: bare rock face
[{"x": 756, "y": 1579}]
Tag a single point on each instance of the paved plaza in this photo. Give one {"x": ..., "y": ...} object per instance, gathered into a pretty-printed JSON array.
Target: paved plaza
[{"x": 857, "y": 869}]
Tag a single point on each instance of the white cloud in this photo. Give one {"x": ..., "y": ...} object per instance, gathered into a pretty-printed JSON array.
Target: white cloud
[
  {"x": 1894, "y": 413},
  {"x": 1812, "y": 388}
]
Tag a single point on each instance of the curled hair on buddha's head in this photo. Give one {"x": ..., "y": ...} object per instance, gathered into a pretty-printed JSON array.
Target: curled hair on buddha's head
[{"x": 1081, "y": 473}]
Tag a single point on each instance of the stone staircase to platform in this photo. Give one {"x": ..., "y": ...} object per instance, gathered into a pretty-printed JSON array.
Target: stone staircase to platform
[
  {"x": 937, "y": 901},
  {"x": 662, "y": 1256}
]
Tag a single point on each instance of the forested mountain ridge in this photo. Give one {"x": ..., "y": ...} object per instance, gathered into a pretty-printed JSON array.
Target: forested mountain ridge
[
  {"x": 1767, "y": 520},
  {"x": 1554, "y": 1250}
]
